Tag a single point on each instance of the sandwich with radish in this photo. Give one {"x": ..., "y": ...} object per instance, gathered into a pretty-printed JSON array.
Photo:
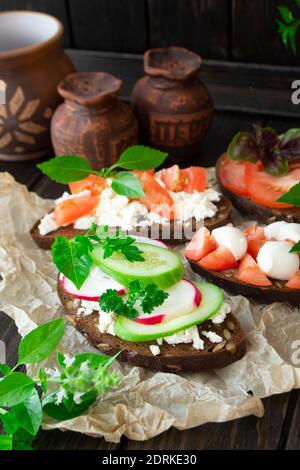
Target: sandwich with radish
[
  {"x": 129, "y": 296},
  {"x": 168, "y": 204}
]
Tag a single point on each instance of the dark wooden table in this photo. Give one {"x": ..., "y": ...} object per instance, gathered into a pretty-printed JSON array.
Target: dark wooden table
[{"x": 243, "y": 95}]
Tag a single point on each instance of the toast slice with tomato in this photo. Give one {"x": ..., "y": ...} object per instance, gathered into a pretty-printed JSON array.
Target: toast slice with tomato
[
  {"x": 256, "y": 193},
  {"x": 172, "y": 358},
  {"x": 167, "y": 232}
]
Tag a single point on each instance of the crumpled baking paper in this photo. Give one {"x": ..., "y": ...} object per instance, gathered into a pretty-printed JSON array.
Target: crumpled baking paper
[{"x": 147, "y": 403}]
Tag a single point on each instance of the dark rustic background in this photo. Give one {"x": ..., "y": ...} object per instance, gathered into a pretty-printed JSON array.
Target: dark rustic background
[{"x": 231, "y": 30}]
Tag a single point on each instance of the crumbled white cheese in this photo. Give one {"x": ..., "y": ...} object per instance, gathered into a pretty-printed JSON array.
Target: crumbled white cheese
[
  {"x": 84, "y": 222},
  {"x": 222, "y": 314},
  {"x": 197, "y": 205},
  {"x": 212, "y": 336},
  {"x": 87, "y": 307},
  {"x": 154, "y": 349},
  {"x": 191, "y": 335},
  {"x": 47, "y": 224},
  {"x": 107, "y": 322}
]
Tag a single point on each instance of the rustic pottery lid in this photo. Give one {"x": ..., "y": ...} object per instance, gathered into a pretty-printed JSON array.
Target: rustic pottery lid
[
  {"x": 173, "y": 63},
  {"x": 89, "y": 88}
]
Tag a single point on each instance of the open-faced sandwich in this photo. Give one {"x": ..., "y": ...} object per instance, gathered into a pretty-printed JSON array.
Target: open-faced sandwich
[
  {"x": 168, "y": 204},
  {"x": 260, "y": 262},
  {"x": 129, "y": 296},
  {"x": 257, "y": 170}
]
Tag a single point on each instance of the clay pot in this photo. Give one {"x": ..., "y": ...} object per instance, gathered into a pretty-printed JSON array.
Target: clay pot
[
  {"x": 32, "y": 63},
  {"x": 173, "y": 107},
  {"x": 92, "y": 122}
]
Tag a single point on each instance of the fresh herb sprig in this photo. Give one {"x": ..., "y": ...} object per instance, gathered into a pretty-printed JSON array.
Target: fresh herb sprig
[
  {"x": 148, "y": 297},
  {"x": 72, "y": 256},
  {"x": 292, "y": 197},
  {"x": 288, "y": 26},
  {"x": 274, "y": 151},
  {"x": 75, "y": 384},
  {"x": 69, "y": 168}
]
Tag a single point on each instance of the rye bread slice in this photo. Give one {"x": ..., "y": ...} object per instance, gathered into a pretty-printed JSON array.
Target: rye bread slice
[
  {"x": 172, "y": 234},
  {"x": 253, "y": 210},
  {"x": 267, "y": 295},
  {"x": 175, "y": 359}
]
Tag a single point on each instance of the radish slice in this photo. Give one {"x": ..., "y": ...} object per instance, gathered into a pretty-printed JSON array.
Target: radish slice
[
  {"x": 151, "y": 241},
  {"x": 94, "y": 286},
  {"x": 183, "y": 298}
]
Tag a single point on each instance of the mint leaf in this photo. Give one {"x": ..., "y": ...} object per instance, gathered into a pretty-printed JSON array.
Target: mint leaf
[
  {"x": 292, "y": 196},
  {"x": 139, "y": 157},
  {"x": 70, "y": 260},
  {"x": 15, "y": 388},
  {"x": 66, "y": 168},
  {"x": 29, "y": 413},
  {"x": 6, "y": 442},
  {"x": 127, "y": 184},
  {"x": 296, "y": 248},
  {"x": 41, "y": 342}
]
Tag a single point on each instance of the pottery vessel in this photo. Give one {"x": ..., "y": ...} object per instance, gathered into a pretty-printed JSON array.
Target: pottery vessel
[
  {"x": 32, "y": 63},
  {"x": 173, "y": 107},
  {"x": 93, "y": 122}
]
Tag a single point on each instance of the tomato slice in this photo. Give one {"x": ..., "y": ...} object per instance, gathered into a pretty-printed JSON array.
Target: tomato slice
[
  {"x": 189, "y": 179},
  {"x": 70, "y": 210},
  {"x": 93, "y": 183},
  {"x": 200, "y": 245},
  {"x": 218, "y": 260},
  {"x": 294, "y": 282},
  {"x": 256, "y": 239},
  {"x": 232, "y": 175},
  {"x": 157, "y": 199},
  {"x": 249, "y": 272},
  {"x": 266, "y": 189}
]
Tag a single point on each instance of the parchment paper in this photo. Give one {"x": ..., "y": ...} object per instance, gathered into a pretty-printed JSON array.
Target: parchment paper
[{"x": 147, "y": 403}]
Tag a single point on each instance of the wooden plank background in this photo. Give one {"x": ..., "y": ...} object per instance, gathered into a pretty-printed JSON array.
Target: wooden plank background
[{"x": 237, "y": 30}]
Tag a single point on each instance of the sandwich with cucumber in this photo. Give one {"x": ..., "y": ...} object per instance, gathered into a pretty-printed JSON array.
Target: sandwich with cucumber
[
  {"x": 129, "y": 296},
  {"x": 168, "y": 204}
]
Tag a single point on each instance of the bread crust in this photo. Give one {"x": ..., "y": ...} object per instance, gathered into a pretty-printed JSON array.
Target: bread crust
[
  {"x": 267, "y": 295},
  {"x": 175, "y": 359},
  {"x": 253, "y": 210},
  {"x": 165, "y": 233}
]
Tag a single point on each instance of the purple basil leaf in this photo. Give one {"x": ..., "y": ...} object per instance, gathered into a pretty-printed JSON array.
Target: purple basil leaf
[
  {"x": 243, "y": 147},
  {"x": 290, "y": 144},
  {"x": 270, "y": 151}
]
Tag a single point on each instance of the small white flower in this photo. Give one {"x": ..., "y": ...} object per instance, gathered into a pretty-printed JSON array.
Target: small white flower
[
  {"x": 68, "y": 360},
  {"x": 61, "y": 394},
  {"x": 52, "y": 372},
  {"x": 77, "y": 397},
  {"x": 84, "y": 367}
]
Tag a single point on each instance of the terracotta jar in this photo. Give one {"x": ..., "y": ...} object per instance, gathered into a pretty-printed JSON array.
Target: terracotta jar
[
  {"x": 92, "y": 122},
  {"x": 32, "y": 63},
  {"x": 173, "y": 107}
]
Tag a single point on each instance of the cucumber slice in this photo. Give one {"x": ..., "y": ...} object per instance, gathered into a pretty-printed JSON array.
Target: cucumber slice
[
  {"x": 212, "y": 300},
  {"x": 161, "y": 266}
]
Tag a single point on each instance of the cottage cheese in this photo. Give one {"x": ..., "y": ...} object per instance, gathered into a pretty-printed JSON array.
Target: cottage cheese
[
  {"x": 106, "y": 320},
  {"x": 212, "y": 336},
  {"x": 154, "y": 349},
  {"x": 222, "y": 314},
  {"x": 117, "y": 210},
  {"x": 191, "y": 335}
]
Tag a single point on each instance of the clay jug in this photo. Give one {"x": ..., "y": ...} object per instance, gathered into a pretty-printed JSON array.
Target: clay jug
[
  {"x": 173, "y": 107},
  {"x": 93, "y": 122}
]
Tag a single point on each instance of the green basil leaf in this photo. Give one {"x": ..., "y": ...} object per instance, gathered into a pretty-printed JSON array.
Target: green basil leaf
[
  {"x": 4, "y": 369},
  {"x": 65, "y": 257},
  {"x": 41, "y": 342},
  {"x": 43, "y": 380},
  {"x": 15, "y": 388},
  {"x": 66, "y": 168},
  {"x": 243, "y": 147},
  {"x": 286, "y": 14},
  {"x": 60, "y": 359},
  {"x": 18, "y": 445},
  {"x": 68, "y": 409},
  {"x": 6, "y": 442},
  {"x": 29, "y": 413},
  {"x": 292, "y": 196},
  {"x": 94, "y": 360},
  {"x": 127, "y": 184},
  {"x": 22, "y": 435},
  {"x": 296, "y": 248},
  {"x": 139, "y": 157},
  {"x": 9, "y": 422}
]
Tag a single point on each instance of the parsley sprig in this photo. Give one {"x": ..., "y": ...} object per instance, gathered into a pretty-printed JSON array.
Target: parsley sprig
[
  {"x": 148, "y": 297},
  {"x": 288, "y": 26},
  {"x": 72, "y": 257}
]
